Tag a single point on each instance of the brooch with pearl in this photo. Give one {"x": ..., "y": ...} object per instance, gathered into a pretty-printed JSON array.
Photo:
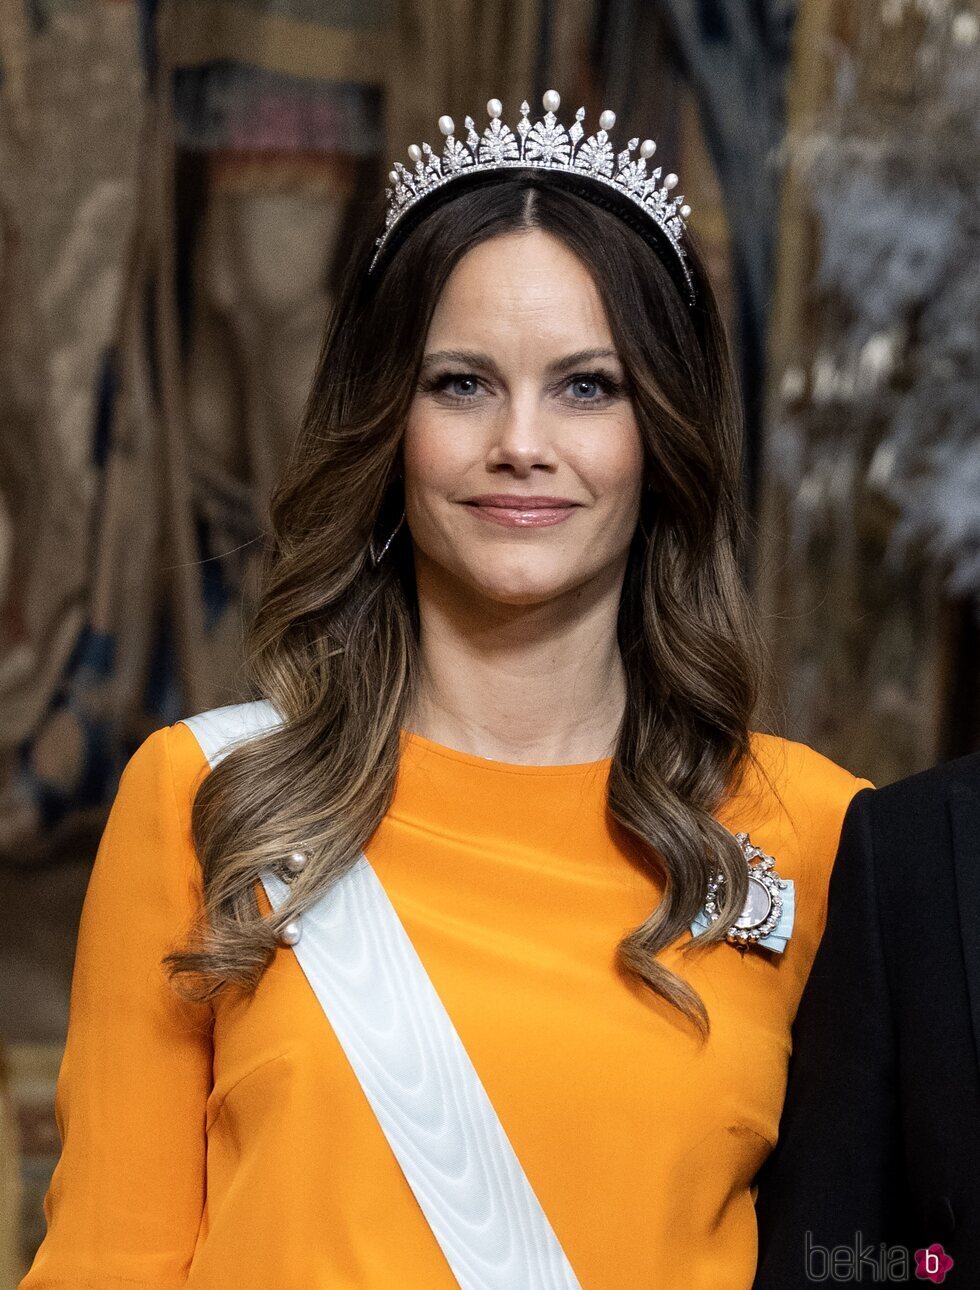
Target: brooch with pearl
[
  {"x": 293, "y": 864},
  {"x": 767, "y": 915}
]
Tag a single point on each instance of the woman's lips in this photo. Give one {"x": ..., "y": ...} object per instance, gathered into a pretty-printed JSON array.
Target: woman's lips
[{"x": 514, "y": 517}]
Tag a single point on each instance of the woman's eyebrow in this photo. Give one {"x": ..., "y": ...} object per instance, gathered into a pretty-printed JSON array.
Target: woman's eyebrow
[{"x": 474, "y": 358}]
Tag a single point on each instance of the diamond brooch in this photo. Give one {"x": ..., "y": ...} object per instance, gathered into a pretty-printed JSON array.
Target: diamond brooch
[{"x": 767, "y": 916}]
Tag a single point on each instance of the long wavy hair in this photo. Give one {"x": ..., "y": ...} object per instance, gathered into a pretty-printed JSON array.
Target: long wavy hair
[{"x": 334, "y": 639}]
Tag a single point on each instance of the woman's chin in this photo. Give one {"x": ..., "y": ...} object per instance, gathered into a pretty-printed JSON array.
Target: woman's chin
[
  {"x": 523, "y": 587},
  {"x": 509, "y": 577}
]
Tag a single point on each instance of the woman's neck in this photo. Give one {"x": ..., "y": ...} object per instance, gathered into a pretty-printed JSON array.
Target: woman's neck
[{"x": 535, "y": 684}]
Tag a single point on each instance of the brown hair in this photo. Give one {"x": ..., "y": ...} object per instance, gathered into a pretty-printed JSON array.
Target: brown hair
[{"x": 334, "y": 641}]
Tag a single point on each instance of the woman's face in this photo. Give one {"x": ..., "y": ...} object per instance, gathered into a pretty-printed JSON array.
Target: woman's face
[{"x": 510, "y": 418}]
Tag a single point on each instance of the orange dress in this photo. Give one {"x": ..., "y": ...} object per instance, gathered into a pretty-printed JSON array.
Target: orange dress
[{"x": 232, "y": 1148}]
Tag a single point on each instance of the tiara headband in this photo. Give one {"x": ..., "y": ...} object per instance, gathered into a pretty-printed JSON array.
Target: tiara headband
[{"x": 587, "y": 166}]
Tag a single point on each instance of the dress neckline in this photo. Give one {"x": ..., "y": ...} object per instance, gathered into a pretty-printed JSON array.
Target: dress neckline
[{"x": 410, "y": 737}]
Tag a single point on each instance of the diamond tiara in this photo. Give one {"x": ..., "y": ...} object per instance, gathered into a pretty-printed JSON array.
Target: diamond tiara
[{"x": 542, "y": 145}]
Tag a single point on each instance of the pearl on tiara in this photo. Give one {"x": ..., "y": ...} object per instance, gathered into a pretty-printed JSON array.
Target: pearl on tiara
[{"x": 544, "y": 144}]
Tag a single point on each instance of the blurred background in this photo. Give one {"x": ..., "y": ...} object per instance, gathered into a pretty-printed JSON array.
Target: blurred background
[{"x": 179, "y": 180}]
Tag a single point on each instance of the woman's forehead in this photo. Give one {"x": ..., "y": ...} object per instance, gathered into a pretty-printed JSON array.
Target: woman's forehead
[{"x": 527, "y": 285}]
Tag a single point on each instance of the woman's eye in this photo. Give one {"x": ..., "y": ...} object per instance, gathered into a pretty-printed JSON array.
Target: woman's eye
[
  {"x": 454, "y": 385},
  {"x": 463, "y": 386},
  {"x": 588, "y": 385},
  {"x": 595, "y": 387}
]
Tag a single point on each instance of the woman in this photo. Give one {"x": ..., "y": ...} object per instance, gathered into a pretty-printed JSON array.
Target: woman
[{"x": 507, "y": 672}]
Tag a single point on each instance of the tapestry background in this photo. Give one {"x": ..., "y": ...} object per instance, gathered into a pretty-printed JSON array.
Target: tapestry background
[{"x": 179, "y": 180}]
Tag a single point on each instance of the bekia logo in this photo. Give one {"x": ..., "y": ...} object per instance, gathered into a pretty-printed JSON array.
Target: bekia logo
[
  {"x": 932, "y": 1264},
  {"x": 874, "y": 1263}
]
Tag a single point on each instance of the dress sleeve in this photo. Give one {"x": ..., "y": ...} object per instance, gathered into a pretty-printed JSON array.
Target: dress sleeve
[{"x": 125, "y": 1202}]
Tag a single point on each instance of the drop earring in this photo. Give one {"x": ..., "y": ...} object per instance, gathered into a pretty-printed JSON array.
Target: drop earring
[{"x": 377, "y": 557}]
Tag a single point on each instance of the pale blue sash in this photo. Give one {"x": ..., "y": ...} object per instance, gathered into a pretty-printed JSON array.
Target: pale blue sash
[{"x": 412, "y": 1065}]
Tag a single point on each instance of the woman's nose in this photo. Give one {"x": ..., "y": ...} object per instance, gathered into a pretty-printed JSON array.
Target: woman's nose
[{"x": 521, "y": 433}]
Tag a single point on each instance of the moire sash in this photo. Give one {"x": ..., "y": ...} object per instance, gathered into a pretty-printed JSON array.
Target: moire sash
[{"x": 412, "y": 1065}]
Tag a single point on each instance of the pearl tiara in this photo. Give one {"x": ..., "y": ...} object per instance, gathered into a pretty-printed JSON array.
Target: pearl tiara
[{"x": 542, "y": 145}]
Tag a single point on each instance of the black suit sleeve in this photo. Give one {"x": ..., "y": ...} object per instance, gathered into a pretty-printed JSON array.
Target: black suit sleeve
[{"x": 835, "y": 1176}]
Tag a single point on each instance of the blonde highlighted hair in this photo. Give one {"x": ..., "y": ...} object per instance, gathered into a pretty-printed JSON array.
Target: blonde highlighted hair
[{"x": 334, "y": 641}]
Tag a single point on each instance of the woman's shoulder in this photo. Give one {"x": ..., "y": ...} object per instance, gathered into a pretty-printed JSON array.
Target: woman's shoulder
[
  {"x": 170, "y": 763},
  {"x": 799, "y": 797},
  {"x": 801, "y": 791},
  {"x": 146, "y": 870},
  {"x": 797, "y": 771},
  {"x": 218, "y": 730}
]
